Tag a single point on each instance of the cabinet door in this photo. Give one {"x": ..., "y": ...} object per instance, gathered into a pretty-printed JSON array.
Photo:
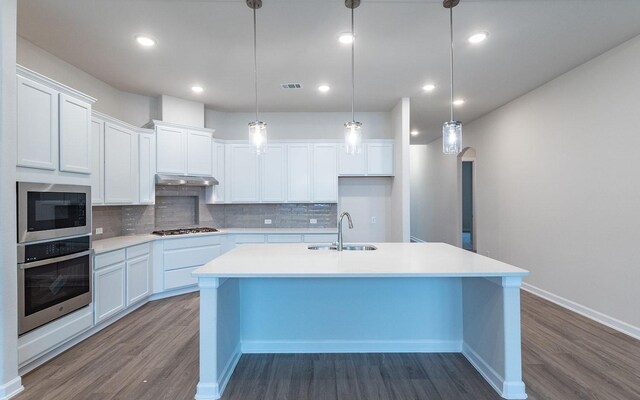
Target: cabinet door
[
  {"x": 299, "y": 173},
  {"x": 97, "y": 161},
  {"x": 75, "y": 139},
  {"x": 274, "y": 174},
  {"x": 37, "y": 125},
  {"x": 219, "y": 172},
  {"x": 119, "y": 164},
  {"x": 243, "y": 173},
  {"x": 199, "y": 160},
  {"x": 109, "y": 291},
  {"x": 380, "y": 159},
  {"x": 147, "y": 165},
  {"x": 325, "y": 173},
  {"x": 350, "y": 164},
  {"x": 171, "y": 152},
  {"x": 138, "y": 282}
]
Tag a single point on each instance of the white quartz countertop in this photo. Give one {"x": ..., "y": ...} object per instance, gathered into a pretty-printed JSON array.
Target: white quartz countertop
[
  {"x": 390, "y": 260},
  {"x": 120, "y": 242}
]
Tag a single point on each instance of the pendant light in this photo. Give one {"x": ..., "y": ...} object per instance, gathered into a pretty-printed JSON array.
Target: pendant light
[
  {"x": 353, "y": 129},
  {"x": 451, "y": 130},
  {"x": 257, "y": 128}
]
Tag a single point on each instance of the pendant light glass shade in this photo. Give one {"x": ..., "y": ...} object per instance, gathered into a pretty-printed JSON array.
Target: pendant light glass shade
[
  {"x": 353, "y": 137},
  {"x": 258, "y": 136},
  {"x": 452, "y": 137}
]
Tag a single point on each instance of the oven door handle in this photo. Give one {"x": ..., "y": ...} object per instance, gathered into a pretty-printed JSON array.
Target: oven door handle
[{"x": 54, "y": 260}]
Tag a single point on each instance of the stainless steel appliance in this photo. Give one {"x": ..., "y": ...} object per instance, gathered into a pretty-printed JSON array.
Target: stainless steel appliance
[
  {"x": 183, "y": 231},
  {"x": 54, "y": 279},
  {"x": 47, "y": 211}
]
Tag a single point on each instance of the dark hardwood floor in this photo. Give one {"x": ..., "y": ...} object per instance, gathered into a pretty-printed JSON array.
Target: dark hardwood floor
[{"x": 152, "y": 354}]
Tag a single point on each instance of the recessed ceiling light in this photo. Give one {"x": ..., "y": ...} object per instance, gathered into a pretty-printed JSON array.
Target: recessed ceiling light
[
  {"x": 346, "y": 38},
  {"x": 197, "y": 89},
  {"x": 478, "y": 37},
  {"x": 415, "y": 133},
  {"x": 145, "y": 41},
  {"x": 324, "y": 88},
  {"x": 458, "y": 102},
  {"x": 429, "y": 87}
]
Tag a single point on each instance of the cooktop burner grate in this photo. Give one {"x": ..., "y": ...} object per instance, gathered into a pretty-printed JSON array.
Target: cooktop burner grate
[{"x": 183, "y": 231}]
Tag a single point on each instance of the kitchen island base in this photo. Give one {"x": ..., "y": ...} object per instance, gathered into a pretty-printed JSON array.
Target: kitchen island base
[{"x": 476, "y": 316}]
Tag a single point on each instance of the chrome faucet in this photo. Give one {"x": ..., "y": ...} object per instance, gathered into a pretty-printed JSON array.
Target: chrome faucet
[{"x": 344, "y": 214}]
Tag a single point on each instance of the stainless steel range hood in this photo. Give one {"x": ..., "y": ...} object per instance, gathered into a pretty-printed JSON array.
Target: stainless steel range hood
[{"x": 182, "y": 180}]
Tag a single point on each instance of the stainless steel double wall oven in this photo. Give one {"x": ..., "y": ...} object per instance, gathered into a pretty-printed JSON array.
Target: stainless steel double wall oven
[{"x": 54, "y": 252}]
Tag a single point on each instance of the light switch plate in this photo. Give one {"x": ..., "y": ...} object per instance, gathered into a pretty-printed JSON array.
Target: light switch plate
[
  {"x": 313, "y": 221},
  {"x": 267, "y": 222},
  {"x": 99, "y": 231}
]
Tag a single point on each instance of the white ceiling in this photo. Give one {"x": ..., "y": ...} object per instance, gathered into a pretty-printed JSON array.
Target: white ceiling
[{"x": 402, "y": 44}]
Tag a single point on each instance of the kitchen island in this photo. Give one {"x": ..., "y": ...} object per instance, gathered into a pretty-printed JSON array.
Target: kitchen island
[{"x": 402, "y": 297}]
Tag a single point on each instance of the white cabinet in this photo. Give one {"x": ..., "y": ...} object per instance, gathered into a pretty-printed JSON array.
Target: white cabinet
[
  {"x": 171, "y": 150},
  {"x": 97, "y": 161},
  {"x": 351, "y": 164},
  {"x": 325, "y": 172},
  {"x": 75, "y": 139},
  {"x": 380, "y": 159},
  {"x": 138, "y": 274},
  {"x": 146, "y": 168},
  {"x": 242, "y": 173},
  {"x": 53, "y": 130},
  {"x": 215, "y": 194},
  {"x": 199, "y": 160},
  {"x": 299, "y": 172},
  {"x": 182, "y": 256},
  {"x": 37, "y": 125},
  {"x": 109, "y": 290},
  {"x": 273, "y": 174},
  {"x": 376, "y": 159},
  {"x": 120, "y": 164},
  {"x": 182, "y": 150}
]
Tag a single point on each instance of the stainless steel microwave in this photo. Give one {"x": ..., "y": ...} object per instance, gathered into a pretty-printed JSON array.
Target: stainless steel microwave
[{"x": 47, "y": 211}]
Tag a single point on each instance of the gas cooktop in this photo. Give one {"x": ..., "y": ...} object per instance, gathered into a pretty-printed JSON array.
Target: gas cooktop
[{"x": 183, "y": 231}]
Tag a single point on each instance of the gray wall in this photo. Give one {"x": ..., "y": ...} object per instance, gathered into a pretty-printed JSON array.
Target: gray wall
[{"x": 557, "y": 186}]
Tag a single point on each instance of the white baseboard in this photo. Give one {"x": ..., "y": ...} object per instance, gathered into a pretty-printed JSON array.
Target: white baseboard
[
  {"x": 365, "y": 346},
  {"x": 213, "y": 391},
  {"x": 416, "y": 240},
  {"x": 508, "y": 390},
  {"x": 11, "y": 388},
  {"x": 172, "y": 293},
  {"x": 594, "y": 315}
]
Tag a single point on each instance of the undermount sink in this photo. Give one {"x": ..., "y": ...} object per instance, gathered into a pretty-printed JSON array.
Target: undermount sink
[{"x": 346, "y": 247}]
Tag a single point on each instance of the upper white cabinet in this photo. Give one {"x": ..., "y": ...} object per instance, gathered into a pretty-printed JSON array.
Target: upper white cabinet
[
  {"x": 97, "y": 161},
  {"x": 299, "y": 167},
  {"x": 120, "y": 164},
  {"x": 325, "y": 172},
  {"x": 242, "y": 173},
  {"x": 53, "y": 126},
  {"x": 146, "y": 168},
  {"x": 274, "y": 174},
  {"x": 75, "y": 139},
  {"x": 375, "y": 159},
  {"x": 215, "y": 194},
  {"x": 183, "y": 150}
]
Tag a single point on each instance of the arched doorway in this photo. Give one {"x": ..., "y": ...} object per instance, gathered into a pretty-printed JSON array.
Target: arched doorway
[{"x": 466, "y": 199}]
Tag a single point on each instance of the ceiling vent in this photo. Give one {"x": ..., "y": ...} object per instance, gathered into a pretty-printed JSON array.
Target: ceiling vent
[{"x": 292, "y": 85}]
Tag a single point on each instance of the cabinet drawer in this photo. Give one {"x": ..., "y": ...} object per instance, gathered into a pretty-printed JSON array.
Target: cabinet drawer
[
  {"x": 320, "y": 238},
  {"x": 106, "y": 259},
  {"x": 137, "y": 251},
  {"x": 179, "y": 278},
  {"x": 171, "y": 244},
  {"x": 284, "y": 239},
  {"x": 189, "y": 257},
  {"x": 249, "y": 239}
]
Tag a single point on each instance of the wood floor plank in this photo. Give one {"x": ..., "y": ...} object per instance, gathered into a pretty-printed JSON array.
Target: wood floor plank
[{"x": 152, "y": 354}]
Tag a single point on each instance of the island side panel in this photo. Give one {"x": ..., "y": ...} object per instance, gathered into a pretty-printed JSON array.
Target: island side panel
[
  {"x": 219, "y": 335},
  {"x": 311, "y": 315},
  {"x": 492, "y": 340}
]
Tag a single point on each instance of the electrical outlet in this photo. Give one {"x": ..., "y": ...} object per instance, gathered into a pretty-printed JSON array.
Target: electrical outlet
[
  {"x": 99, "y": 231},
  {"x": 374, "y": 220},
  {"x": 313, "y": 221},
  {"x": 267, "y": 222}
]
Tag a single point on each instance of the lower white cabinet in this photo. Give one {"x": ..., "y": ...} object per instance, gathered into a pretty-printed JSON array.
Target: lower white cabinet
[
  {"x": 183, "y": 256},
  {"x": 138, "y": 274},
  {"x": 109, "y": 291}
]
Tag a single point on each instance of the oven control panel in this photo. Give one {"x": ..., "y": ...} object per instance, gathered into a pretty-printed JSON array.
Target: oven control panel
[{"x": 52, "y": 249}]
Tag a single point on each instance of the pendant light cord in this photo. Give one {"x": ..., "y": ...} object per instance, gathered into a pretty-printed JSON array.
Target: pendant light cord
[
  {"x": 451, "y": 32},
  {"x": 353, "y": 74},
  {"x": 255, "y": 60}
]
